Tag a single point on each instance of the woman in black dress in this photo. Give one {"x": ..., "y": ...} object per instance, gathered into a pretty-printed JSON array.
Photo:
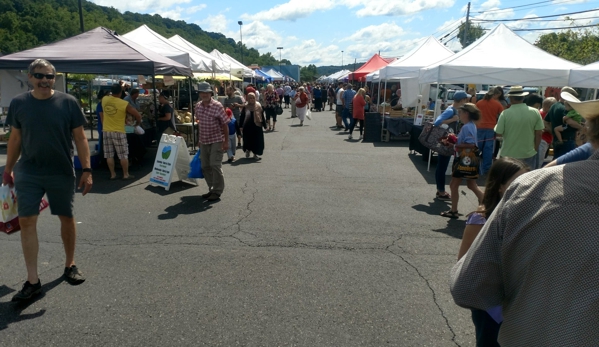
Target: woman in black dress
[{"x": 252, "y": 118}]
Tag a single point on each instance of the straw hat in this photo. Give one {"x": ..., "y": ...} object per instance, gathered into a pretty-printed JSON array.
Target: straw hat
[
  {"x": 587, "y": 109},
  {"x": 517, "y": 91}
]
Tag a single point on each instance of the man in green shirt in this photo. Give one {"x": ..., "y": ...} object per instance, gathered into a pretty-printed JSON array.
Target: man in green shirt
[
  {"x": 521, "y": 128},
  {"x": 556, "y": 115}
]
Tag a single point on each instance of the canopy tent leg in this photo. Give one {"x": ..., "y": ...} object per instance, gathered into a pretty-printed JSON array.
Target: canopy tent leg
[
  {"x": 91, "y": 115},
  {"x": 155, "y": 107},
  {"x": 193, "y": 122}
]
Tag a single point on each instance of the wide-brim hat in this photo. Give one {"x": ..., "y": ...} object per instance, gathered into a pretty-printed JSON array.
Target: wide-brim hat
[
  {"x": 587, "y": 109},
  {"x": 204, "y": 87},
  {"x": 517, "y": 91}
]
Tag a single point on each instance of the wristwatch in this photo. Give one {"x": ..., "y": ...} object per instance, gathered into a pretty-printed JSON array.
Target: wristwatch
[{"x": 87, "y": 170}]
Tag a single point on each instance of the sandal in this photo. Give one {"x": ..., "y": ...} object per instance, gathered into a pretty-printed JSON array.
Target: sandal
[
  {"x": 444, "y": 197},
  {"x": 450, "y": 214}
]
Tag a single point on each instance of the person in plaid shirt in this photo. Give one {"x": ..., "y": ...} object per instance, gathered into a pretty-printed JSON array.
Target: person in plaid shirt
[{"x": 212, "y": 122}]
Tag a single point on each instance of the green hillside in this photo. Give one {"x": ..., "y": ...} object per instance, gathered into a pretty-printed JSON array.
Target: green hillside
[{"x": 26, "y": 24}]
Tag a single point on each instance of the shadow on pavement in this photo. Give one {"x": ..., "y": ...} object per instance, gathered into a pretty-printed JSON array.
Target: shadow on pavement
[
  {"x": 392, "y": 143},
  {"x": 245, "y": 161},
  {"x": 455, "y": 228},
  {"x": 10, "y": 312},
  {"x": 188, "y": 205},
  {"x": 176, "y": 187},
  {"x": 429, "y": 176},
  {"x": 434, "y": 208}
]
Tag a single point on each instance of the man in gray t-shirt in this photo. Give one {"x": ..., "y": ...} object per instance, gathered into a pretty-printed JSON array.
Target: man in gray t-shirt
[{"x": 44, "y": 125}]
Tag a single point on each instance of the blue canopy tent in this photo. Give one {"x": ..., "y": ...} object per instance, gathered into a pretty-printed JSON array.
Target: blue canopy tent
[{"x": 261, "y": 75}]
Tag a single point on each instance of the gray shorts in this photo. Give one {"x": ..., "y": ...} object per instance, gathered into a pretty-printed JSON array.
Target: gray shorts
[{"x": 31, "y": 189}]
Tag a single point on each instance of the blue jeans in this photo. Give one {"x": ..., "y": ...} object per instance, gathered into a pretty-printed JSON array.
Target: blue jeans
[
  {"x": 486, "y": 328},
  {"x": 486, "y": 143},
  {"x": 442, "y": 163},
  {"x": 559, "y": 150},
  {"x": 347, "y": 118}
]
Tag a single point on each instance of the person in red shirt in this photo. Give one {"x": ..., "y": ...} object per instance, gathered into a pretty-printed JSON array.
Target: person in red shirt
[
  {"x": 301, "y": 102},
  {"x": 358, "y": 112},
  {"x": 490, "y": 110}
]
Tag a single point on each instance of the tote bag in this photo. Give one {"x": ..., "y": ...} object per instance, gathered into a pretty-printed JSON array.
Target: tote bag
[{"x": 467, "y": 164}]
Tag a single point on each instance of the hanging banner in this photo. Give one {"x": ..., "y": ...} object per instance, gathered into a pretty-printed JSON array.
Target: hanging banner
[{"x": 172, "y": 158}]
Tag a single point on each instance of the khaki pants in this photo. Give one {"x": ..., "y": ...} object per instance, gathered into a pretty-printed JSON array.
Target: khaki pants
[
  {"x": 293, "y": 109},
  {"x": 212, "y": 160}
]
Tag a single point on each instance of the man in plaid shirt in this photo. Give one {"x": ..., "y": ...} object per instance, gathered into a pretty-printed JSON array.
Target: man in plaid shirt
[{"x": 214, "y": 133}]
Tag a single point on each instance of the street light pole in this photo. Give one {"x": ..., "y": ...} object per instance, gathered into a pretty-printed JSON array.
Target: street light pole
[
  {"x": 241, "y": 39},
  {"x": 341, "y": 60},
  {"x": 81, "y": 17},
  {"x": 280, "y": 48}
]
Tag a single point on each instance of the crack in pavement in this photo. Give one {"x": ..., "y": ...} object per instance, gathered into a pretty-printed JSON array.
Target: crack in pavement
[{"x": 388, "y": 249}]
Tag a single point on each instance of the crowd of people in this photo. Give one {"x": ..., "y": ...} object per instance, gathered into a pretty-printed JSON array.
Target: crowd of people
[
  {"x": 526, "y": 215},
  {"x": 527, "y": 262}
]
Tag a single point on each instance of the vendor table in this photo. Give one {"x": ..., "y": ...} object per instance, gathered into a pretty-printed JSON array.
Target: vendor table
[
  {"x": 397, "y": 126},
  {"x": 186, "y": 130}
]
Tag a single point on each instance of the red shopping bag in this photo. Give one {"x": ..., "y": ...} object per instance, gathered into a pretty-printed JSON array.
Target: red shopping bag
[{"x": 9, "y": 208}]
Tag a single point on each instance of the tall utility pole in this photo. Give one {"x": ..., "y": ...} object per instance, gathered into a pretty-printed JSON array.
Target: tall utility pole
[
  {"x": 241, "y": 40},
  {"x": 80, "y": 17},
  {"x": 341, "y": 60},
  {"x": 465, "y": 37},
  {"x": 280, "y": 48}
]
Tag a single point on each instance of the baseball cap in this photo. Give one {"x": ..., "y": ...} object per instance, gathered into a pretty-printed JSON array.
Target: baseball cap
[{"x": 461, "y": 95}]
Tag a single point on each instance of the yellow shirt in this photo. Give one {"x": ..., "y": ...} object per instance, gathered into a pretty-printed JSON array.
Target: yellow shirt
[{"x": 115, "y": 112}]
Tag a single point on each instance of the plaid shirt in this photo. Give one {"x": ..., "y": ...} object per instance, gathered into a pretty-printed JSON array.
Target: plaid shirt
[{"x": 211, "y": 119}]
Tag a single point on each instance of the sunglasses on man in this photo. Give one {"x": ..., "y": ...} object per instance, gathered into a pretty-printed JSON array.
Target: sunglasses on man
[{"x": 40, "y": 76}]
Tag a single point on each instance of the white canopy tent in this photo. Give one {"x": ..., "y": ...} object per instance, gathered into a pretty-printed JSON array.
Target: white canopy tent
[
  {"x": 276, "y": 76},
  {"x": 585, "y": 76},
  {"x": 500, "y": 57},
  {"x": 336, "y": 76},
  {"x": 153, "y": 41},
  {"x": 238, "y": 68},
  {"x": 408, "y": 66},
  {"x": 218, "y": 65}
]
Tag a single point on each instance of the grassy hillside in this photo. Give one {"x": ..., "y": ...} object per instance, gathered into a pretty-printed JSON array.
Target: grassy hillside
[{"x": 26, "y": 24}]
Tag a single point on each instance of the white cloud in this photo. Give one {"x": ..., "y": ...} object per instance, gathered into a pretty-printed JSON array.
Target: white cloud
[
  {"x": 489, "y": 4},
  {"x": 155, "y": 6},
  {"x": 397, "y": 7},
  {"x": 292, "y": 10},
  {"x": 374, "y": 33},
  {"x": 260, "y": 36},
  {"x": 176, "y": 12},
  {"x": 214, "y": 23}
]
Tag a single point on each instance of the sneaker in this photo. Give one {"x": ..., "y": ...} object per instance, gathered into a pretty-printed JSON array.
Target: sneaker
[
  {"x": 213, "y": 197},
  {"x": 73, "y": 275},
  {"x": 207, "y": 195},
  {"x": 302, "y": 123},
  {"x": 349, "y": 137},
  {"x": 257, "y": 157},
  {"x": 247, "y": 154},
  {"x": 229, "y": 160},
  {"x": 28, "y": 292}
]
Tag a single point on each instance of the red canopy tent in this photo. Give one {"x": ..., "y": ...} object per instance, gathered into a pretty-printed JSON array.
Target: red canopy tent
[{"x": 375, "y": 63}]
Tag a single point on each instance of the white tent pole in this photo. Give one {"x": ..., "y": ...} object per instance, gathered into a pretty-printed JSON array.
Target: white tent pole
[{"x": 190, "y": 108}]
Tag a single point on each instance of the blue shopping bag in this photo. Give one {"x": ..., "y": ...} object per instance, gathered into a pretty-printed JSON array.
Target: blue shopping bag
[{"x": 196, "y": 167}]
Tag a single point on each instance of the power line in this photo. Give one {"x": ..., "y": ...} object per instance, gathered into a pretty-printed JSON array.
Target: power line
[
  {"x": 535, "y": 20},
  {"x": 573, "y": 27},
  {"x": 519, "y": 19},
  {"x": 528, "y": 6}
]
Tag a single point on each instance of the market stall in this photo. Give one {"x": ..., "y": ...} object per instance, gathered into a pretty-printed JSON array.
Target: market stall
[
  {"x": 585, "y": 76},
  {"x": 374, "y": 63},
  {"x": 500, "y": 57},
  {"x": 97, "y": 51},
  {"x": 217, "y": 64}
]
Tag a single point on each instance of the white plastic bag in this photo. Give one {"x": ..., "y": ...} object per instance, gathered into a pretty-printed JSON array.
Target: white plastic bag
[
  {"x": 309, "y": 114},
  {"x": 139, "y": 130}
]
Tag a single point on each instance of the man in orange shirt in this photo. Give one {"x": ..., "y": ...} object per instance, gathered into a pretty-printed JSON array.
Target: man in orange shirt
[{"x": 490, "y": 110}]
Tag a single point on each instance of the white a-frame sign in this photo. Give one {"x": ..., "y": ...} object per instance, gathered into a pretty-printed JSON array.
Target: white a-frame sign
[{"x": 172, "y": 158}]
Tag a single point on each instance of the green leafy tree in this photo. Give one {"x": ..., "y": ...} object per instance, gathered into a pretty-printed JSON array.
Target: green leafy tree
[
  {"x": 475, "y": 31},
  {"x": 579, "y": 46},
  {"x": 308, "y": 73},
  {"x": 26, "y": 24}
]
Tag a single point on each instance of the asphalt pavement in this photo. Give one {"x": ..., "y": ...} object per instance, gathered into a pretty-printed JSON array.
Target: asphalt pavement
[{"x": 324, "y": 242}]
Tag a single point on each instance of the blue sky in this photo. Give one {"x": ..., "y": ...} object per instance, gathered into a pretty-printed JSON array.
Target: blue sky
[{"x": 316, "y": 31}]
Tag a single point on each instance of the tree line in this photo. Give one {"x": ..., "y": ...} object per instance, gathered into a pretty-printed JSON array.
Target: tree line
[{"x": 26, "y": 24}]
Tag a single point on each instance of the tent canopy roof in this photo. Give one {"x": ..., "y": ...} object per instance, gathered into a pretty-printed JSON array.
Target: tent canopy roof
[
  {"x": 374, "y": 63},
  {"x": 247, "y": 72},
  {"x": 161, "y": 45},
  {"x": 585, "y": 76},
  {"x": 408, "y": 66},
  {"x": 219, "y": 65},
  {"x": 500, "y": 57},
  {"x": 97, "y": 51}
]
